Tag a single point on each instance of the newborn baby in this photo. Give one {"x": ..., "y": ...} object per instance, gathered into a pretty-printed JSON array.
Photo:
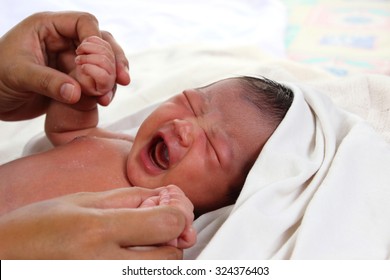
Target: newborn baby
[{"x": 203, "y": 140}]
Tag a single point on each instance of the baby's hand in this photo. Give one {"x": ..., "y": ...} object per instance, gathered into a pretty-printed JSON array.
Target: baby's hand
[
  {"x": 174, "y": 196},
  {"x": 95, "y": 69}
]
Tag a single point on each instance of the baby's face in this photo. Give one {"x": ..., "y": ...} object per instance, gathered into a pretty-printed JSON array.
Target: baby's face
[{"x": 203, "y": 141}]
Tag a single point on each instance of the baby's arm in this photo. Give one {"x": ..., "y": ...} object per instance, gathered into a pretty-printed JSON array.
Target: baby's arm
[{"x": 95, "y": 70}]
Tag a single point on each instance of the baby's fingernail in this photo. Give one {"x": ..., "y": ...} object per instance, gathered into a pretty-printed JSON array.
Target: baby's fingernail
[
  {"x": 67, "y": 91},
  {"x": 110, "y": 95}
]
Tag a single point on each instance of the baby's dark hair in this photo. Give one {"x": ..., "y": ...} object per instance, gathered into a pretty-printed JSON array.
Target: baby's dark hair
[
  {"x": 273, "y": 101},
  {"x": 271, "y": 97}
]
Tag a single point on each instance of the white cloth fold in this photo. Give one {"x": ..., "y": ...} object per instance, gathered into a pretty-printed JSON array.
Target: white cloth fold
[{"x": 320, "y": 189}]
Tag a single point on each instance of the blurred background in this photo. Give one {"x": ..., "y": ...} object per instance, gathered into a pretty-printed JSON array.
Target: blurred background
[{"x": 340, "y": 36}]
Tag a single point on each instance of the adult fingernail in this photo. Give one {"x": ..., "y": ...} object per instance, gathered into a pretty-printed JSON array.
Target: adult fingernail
[{"x": 67, "y": 91}]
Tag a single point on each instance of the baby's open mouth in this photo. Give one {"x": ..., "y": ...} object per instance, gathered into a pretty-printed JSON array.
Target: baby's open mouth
[{"x": 159, "y": 153}]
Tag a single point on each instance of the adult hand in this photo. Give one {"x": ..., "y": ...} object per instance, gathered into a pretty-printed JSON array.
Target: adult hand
[
  {"x": 93, "y": 226},
  {"x": 40, "y": 41}
]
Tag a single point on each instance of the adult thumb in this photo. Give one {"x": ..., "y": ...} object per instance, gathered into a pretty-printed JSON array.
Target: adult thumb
[{"x": 51, "y": 83}]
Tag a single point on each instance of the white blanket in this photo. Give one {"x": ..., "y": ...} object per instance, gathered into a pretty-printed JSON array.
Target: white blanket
[{"x": 320, "y": 189}]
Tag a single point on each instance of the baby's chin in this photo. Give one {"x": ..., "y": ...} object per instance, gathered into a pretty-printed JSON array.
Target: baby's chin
[
  {"x": 131, "y": 180},
  {"x": 134, "y": 182},
  {"x": 133, "y": 176},
  {"x": 131, "y": 184}
]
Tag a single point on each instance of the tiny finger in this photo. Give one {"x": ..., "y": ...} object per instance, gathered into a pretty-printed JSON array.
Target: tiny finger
[{"x": 103, "y": 80}]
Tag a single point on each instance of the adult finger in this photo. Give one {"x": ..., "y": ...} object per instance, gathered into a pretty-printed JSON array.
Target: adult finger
[
  {"x": 146, "y": 253},
  {"x": 114, "y": 199},
  {"x": 144, "y": 226},
  {"x": 76, "y": 25},
  {"x": 49, "y": 82}
]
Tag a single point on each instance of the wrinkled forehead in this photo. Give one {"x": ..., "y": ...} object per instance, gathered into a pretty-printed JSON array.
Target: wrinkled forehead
[
  {"x": 226, "y": 86},
  {"x": 221, "y": 93},
  {"x": 226, "y": 96},
  {"x": 238, "y": 117}
]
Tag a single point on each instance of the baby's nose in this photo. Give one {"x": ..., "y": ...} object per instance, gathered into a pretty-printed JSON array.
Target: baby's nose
[{"x": 184, "y": 130}]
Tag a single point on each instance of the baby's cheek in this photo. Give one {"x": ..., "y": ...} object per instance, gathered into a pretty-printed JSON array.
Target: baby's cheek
[
  {"x": 137, "y": 177},
  {"x": 131, "y": 169}
]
